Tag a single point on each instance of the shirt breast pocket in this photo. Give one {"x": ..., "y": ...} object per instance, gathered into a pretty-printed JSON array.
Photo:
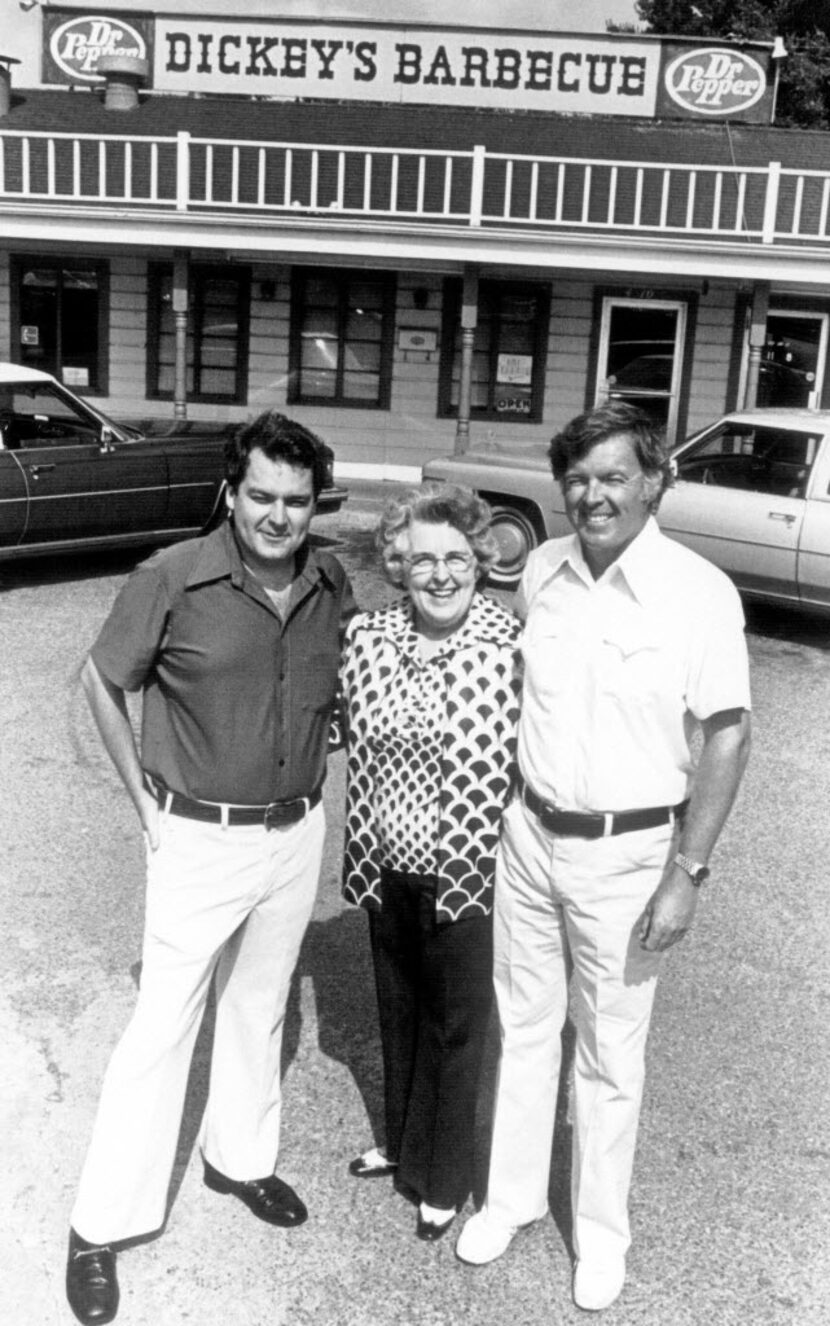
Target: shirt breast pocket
[
  {"x": 634, "y": 668},
  {"x": 548, "y": 659}
]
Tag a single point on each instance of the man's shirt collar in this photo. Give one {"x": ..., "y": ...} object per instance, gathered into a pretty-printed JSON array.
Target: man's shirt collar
[
  {"x": 638, "y": 565},
  {"x": 219, "y": 558}
]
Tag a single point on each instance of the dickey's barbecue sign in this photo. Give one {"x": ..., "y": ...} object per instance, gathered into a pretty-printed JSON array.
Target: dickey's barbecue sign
[{"x": 350, "y": 61}]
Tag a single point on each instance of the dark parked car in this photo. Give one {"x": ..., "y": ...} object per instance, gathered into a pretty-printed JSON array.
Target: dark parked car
[{"x": 71, "y": 478}]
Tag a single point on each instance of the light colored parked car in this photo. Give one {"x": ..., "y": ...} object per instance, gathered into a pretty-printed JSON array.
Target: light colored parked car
[{"x": 752, "y": 494}]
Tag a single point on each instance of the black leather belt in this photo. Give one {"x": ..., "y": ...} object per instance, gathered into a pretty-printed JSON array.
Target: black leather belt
[
  {"x": 276, "y": 815},
  {"x": 578, "y": 824}
]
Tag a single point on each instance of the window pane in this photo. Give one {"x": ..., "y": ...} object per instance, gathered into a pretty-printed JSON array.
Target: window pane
[
  {"x": 365, "y": 295},
  {"x": 320, "y": 383},
  {"x": 641, "y": 349},
  {"x": 80, "y": 280},
  {"x": 217, "y": 355},
  {"x": 516, "y": 339},
  {"x": 360, "y": 386},
  {"x": 320, "y": 291},
  {"x": 216, "y": 382},
  {"x": 363, "y": 326},
  {"x": 319, "y": 322},
  {"x": 321, "y": 352},
  {"x": 362, "y": 357},
  {"x": 47, "y": 278}
]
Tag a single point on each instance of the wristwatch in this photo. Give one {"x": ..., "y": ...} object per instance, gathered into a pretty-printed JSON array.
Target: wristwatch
[{"x": 697, "y": 872}]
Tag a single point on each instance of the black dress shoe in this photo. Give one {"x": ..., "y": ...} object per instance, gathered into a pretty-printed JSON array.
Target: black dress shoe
[
  {"x": 91, "y": 1282},
  {"x": 372, "y": 1165},
  {"x": 429, "y": 1231},
  {"x": 270, "y": 1199}
]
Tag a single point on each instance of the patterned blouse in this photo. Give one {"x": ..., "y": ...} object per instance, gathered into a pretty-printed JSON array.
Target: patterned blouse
[{"x": 430, "y": 752}]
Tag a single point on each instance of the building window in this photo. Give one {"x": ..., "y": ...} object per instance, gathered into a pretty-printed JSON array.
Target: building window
[
  {"x": 217, "y": 333},
  {"x": 509, "y": 351},
  {"x": 59, "y": 319},
  {"x": 342, "y": 338}
]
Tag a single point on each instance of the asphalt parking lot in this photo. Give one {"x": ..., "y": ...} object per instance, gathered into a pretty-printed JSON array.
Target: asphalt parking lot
[{"x": 731, "y": 1202}]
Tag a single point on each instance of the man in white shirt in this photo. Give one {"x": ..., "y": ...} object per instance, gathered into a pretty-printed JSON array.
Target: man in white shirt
[{"x": 631, "y": 643}]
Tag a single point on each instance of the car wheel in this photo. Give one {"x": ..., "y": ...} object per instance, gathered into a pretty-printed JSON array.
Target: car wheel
[{"x": 517, "y": 536}]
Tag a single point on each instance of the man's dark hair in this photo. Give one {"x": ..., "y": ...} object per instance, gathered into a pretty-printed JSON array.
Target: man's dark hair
[
  {"x": 587, "y": 430},
  {"x": 280, "y": 439}
]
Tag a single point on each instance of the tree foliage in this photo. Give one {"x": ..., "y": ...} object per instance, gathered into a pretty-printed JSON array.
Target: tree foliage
[{"x": 804, "y": 87}]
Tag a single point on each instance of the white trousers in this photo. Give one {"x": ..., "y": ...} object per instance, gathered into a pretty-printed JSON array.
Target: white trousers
[
  {"x": 235, "y": 902},
  {"x": 568, "y": 907}
]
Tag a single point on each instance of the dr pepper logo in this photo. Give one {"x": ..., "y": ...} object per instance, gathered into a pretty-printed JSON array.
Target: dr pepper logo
[
  {"x": 715, "y": 81},
  {"x": 77, "y": 45}
]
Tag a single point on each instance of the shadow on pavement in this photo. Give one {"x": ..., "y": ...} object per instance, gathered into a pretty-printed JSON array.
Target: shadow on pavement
[{"x": 336, "y": 957}]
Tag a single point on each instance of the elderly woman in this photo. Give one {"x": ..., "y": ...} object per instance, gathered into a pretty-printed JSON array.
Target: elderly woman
[{"x": 430, "y": 702}]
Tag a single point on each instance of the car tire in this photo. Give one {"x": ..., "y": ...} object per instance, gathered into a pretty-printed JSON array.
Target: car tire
[{"x": 517, "y": 534}]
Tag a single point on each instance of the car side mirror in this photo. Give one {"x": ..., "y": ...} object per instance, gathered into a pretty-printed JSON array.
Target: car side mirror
[{"x": 107, "y": 438}]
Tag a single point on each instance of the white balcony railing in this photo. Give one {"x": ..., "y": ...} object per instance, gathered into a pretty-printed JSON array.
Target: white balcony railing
[{"x": 464, "y": 188}]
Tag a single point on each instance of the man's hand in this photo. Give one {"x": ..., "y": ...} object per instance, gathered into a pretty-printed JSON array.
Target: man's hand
[
  {"x": 148, "y": 813},
  {"x": 669, "y": 912}
]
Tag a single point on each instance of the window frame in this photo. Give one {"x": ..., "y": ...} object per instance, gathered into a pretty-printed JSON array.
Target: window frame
[
  {"x": 388, "y": 282},
  {"x": 19, "y": 262},
  {"x": 198, "y": 273},
  {"x": 450, "y": 319}
]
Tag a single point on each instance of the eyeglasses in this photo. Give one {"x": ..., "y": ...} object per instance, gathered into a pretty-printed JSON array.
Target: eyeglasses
[{"x": 424, "y": 565}]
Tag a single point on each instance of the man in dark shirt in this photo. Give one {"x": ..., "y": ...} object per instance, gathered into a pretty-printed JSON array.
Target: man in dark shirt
[{"x": 234, "y": 640}]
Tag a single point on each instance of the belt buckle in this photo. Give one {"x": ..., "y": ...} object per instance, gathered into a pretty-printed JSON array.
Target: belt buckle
[{"x": 278, "y": 814}]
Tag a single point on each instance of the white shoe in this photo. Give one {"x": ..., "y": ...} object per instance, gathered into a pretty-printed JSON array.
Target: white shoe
[
  {"x": 483, "y": 1239},
  {"x": 598, "y": 1284}
]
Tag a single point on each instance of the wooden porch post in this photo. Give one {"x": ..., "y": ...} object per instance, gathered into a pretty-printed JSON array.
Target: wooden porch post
[
  {"x": 757, "y": 340},
  {"x": 469, "y": 318},
  {"x": 181, "y": 268}
]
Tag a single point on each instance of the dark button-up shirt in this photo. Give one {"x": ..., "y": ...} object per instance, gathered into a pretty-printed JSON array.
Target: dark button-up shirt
[{"x": 237, "y": 702}]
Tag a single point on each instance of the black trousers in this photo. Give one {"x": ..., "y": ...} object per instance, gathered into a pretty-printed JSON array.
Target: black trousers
[{"x": 435, "y": 989}]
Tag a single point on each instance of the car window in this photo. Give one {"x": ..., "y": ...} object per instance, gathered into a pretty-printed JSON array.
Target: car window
[
  {"x": 758, "y": 459},
  {"x": 37, "y": 416}
]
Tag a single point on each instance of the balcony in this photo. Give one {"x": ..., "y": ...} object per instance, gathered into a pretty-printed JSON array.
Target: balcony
[{"x": 185, "y": 174}]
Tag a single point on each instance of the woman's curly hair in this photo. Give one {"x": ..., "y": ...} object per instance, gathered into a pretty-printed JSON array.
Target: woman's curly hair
[{"x": 436, "y": 504}]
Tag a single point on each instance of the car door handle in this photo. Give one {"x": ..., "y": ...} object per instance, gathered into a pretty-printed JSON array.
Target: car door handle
[
  {"x": 37, "y": 470},
  {"x": 787, "y": 516}
]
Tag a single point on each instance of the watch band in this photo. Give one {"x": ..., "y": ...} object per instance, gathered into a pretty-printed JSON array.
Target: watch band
[{"x": 698, "y": 873}]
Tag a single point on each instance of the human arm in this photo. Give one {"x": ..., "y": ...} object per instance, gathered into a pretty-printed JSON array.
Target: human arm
[
  {"x": 670, "y": 911},
  {"x": 109, "y": 709}
]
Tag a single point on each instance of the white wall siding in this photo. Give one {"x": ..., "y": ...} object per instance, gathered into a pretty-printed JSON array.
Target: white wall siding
[
  {"x": 712, "y": 357},
  {"x": 5, "y": 311}
]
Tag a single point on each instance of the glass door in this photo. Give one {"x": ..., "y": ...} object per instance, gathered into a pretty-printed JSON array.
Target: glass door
[
  {"x": 641, "y": 356},
  {"x": 793, "y": 359}
]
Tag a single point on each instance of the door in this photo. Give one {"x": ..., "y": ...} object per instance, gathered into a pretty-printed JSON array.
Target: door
[
  {"x": 793, "y": 359},
  {"x": 80, "y": 491},
  {"x": 740, "y": 501},
  {"x": 13, "y": 499},
  {"x": 641, "y": 356},
  {"x": 81, "y": 484}
]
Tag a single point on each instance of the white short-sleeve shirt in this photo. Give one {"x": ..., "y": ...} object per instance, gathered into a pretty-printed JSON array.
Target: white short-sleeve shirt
[{"x": 617, "y": 670}]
